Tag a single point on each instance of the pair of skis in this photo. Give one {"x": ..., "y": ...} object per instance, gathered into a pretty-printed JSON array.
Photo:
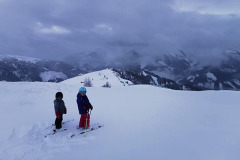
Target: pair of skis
[
  {"x": 82, "y": 131},
  {"x": 88, "y": 130}
]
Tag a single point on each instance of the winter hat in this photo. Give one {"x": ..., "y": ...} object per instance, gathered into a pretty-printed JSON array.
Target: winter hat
[
  {"x": 83, "y": 90},
  {"x": 59, "y": 95}
]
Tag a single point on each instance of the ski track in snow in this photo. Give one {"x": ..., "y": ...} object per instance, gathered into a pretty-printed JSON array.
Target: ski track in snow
[{"x": 40, "y": 139}]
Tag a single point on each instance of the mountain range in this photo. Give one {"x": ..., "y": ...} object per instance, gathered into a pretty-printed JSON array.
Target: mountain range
[
  {"x": 18, "y": 68},
  {"x": 175, "y": 71}
]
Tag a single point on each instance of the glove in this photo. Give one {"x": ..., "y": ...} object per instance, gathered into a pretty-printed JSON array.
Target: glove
[
  {"x": 91, "y": 107},
  {"x": 65, "y": 112},
  {"x": 58, "y": 115},
  {"x": 88, "y": 107}
]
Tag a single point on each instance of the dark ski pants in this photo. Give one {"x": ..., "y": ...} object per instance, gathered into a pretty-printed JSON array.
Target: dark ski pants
[
  {"x": 58, "y": 122},
  {"x": 84, "y": 119}
]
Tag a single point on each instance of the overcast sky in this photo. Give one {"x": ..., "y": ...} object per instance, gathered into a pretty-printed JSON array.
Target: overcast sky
[{"x": 57, "y": 28}]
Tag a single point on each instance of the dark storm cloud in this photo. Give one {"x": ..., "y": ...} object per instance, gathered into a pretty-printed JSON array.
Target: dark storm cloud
[{"x": 57, "y": 28}]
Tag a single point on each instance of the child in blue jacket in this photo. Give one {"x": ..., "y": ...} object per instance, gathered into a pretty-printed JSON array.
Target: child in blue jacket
[{"x": 83, "y": 107}]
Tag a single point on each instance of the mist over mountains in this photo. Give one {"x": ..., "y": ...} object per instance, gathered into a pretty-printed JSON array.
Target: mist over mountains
[{"x": 177, "y": 71}]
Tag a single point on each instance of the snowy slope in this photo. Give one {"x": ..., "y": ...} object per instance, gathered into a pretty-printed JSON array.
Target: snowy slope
[
  {"x": 99, "y": 78},
  {"x": 140, "y": 122}
]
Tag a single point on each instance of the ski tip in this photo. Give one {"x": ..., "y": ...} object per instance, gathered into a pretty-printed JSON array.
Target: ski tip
[{"x": 100, "y": 126}]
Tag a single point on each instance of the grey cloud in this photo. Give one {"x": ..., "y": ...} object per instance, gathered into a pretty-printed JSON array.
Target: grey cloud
[
  {"x": 209, "y": 6},
  {"x": 55, "y": 29}
]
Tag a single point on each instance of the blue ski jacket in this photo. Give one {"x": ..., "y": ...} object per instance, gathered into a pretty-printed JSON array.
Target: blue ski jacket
[{"x": 83, "y": 104}]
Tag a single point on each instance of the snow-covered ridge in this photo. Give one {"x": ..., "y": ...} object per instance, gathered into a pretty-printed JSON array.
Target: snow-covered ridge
[
  {"x": 19, "y": 58},
  {"x": 99, "y": 79}
]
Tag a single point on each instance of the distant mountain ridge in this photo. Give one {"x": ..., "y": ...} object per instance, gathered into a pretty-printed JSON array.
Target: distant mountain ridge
[
  {"x": 175, "y": 71},
  {"x": 225, "y": 75},
  {"x": 138, "y": 76},
  {"x": 18, "y": 68},
  {"x": 184, "y": 70},
  {"x": 180, "y": 68}
]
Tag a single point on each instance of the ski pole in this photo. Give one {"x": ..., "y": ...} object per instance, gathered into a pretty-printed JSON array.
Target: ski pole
[
  {"x": 86, "y": 123},
  {"x": 86, "y": 127}
]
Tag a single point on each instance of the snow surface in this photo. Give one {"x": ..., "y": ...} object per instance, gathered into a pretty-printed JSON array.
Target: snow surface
[
  {"x": 211, "y": 76},
  {"x": 155, "y": 80},
  {"x": 144, "y": 73},
  {"x": 140, "y": 122},
  {"x": 230, "y": 84},
  {"x": 237, "y": 82},
  {"x": 191, "y": 78},
  {"x": 52, "y": 75}
]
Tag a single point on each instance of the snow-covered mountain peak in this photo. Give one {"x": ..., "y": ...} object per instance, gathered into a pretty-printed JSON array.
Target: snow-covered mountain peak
[
  {"x": 99, "y": 79},
  {"x": 19, "y": 58},
  {"x": 231, "y": 56},
  {"x": 232, "y": 52}
]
